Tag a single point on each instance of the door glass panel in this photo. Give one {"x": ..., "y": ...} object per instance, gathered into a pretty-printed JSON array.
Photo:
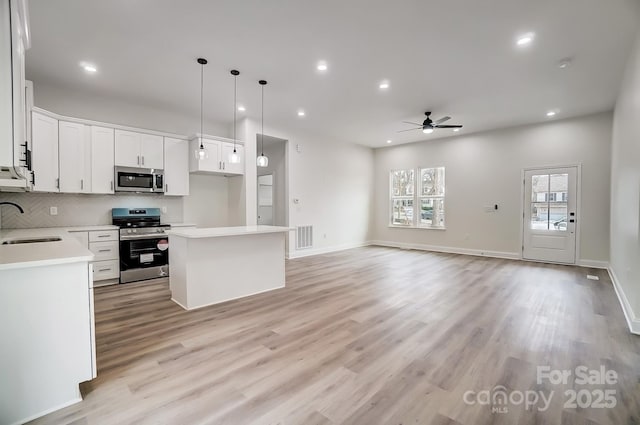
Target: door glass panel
[
  {"x": 402, "y": 212},
  {"x": 549, "y": 194}
]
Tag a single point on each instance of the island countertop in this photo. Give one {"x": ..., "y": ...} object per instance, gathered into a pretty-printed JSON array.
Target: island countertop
[{"x": 217, "y": 232}]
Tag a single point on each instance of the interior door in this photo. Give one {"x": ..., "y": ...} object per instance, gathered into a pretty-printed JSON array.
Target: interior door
[{"x": 550, "y": 215}]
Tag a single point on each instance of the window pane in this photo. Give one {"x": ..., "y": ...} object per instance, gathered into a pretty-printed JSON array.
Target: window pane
[
  {"x": 558, "y": 216},
  {"x": 432, "y": 212},
  {"x": 402, "y": 182},
  {"x": 549, "y": 201},
  {"x": 432, "y": 181},
  {"x": 402, "y": 212}
]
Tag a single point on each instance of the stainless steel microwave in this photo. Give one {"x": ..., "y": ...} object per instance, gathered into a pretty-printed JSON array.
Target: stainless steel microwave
[{"x": 142, "y": 180}]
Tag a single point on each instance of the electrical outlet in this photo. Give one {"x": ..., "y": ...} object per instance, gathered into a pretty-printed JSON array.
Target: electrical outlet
[
  {"x": 164, "y": 210},
  {"x": 53, "y": 210}
]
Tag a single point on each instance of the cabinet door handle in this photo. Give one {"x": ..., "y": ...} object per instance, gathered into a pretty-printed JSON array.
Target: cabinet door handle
[
  {"x": 112, "y": 185},
  {"x": 103, "y": 236},
  {"x": 57, "y": 183},
  {"x": 104, "y": 250},
  {"x": 224, "y": 165},
  {"x": 138, "y": 159},
  {"x": 142, "y": 159},
  {"x": 166, "y": 187},
  {"x": 105, "y": 270},
  {"x": 81, "y": 184}
]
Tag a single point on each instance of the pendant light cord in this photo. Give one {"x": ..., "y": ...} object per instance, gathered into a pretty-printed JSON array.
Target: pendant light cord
[
  {"x": 235, "y": 108},
  {"x": 201, "y": 101},
  {"x": 262, "y": 134}
]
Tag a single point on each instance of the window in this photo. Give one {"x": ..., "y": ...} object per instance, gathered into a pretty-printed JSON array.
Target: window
[
  {"x": 428, "y": 199},
  {"x": 402, "y": 194}
]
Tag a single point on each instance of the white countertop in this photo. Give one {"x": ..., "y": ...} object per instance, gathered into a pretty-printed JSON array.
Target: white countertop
[
  {"x": 217, "y": 232},
  {"x": 68, "y": 250}
]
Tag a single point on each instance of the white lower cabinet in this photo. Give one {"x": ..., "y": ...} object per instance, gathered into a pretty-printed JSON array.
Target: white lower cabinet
[{"x": 105, "y": 246}]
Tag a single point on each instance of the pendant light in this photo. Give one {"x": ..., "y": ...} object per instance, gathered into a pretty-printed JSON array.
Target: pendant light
[
  {"x": 234, "y": 158},
  {"x": 201, "y": 152},
  {"x": 262, "y": 161}
]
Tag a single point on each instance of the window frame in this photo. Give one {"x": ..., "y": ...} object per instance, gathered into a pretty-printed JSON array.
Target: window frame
[{"x": 416, "y": 199}]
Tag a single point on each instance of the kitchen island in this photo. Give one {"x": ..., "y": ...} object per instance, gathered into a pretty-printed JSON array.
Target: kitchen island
[{"x": 213, "y": 265}]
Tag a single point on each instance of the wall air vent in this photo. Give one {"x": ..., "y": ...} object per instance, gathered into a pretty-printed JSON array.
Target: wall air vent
[{"x": 304, "y": 237}]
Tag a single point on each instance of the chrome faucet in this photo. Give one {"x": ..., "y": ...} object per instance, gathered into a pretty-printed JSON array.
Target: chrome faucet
[{"x": 14, "y": 204}]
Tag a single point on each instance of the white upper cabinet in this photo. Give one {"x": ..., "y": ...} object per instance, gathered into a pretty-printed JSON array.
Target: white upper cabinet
[
  {"x": 139, "y": 150},
  {"x": 152, "y": 151},
  {"x": 74, "y": 157},
  {"x": 217, "y": 158},
  {"x": 102, "y": 160},
  {"x": 127, "y": 148},
  {"x": 176, "y": 167},
  {"x": 44, "y": 134}
]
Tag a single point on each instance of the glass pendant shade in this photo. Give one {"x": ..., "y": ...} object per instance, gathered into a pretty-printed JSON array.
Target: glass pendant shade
[
  {"x": 234, "y": 158},
  {"x": 262, "y": 161},
  {"x": 201, "y": 153}
]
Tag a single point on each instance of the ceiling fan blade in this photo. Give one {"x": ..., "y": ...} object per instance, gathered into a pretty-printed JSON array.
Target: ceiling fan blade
[
  {"x": 441, "y": 120},
  {"x": 448, "y": 126},
  {"x": 411, "y": 129},
  {"x": 409, "y": 122}
]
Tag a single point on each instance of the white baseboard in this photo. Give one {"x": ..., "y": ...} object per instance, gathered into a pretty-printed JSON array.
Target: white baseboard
[
  {"x": 594, "y": 264},
  {"x": 449, "y": 250},
  {"x": 51, "y": 410},
  {"x": 632, "y": 320},
  {"x": 317, "y": 251}
]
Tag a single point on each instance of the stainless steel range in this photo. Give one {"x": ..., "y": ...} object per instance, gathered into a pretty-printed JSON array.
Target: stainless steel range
[{"x": 144, "y": 245}]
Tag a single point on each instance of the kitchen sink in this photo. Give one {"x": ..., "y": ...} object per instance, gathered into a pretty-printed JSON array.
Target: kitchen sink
[{"x": 31, "y": 240}]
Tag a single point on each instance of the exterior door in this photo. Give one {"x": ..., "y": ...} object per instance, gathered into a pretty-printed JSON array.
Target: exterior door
[{"x": 550, "y": 214}]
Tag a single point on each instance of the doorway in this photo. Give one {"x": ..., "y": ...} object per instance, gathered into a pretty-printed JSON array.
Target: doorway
[
  {"x": 550, "y": 214},
  {"x": 265, "y": 200},
  {"x": 272, "y": 185}
]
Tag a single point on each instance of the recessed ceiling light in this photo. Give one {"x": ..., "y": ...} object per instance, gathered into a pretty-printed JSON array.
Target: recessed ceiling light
[
  {"x": 389, "y": 141},
  {"x": 565, "y": 63},
  {"x": 88, "y": 67},
  {"x": 241, "y": 108},
  {"x": 525, "y": 39},
  {"x": 551, "y": 113},
  {"x": 301, "y": 113},
  {"x": 322, "y": 66},
  {"x": 384, "y": 85},
  {"x": 456, "y": 130}
]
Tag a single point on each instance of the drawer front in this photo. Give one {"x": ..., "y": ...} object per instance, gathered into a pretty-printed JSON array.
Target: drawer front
[
  {"x": 105, "y": 235},
  {"x": 104, "y": 250},
  {"x": 106, "y": 270}
]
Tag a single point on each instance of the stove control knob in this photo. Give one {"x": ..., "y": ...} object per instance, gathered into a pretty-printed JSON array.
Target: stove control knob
[
  {"x": 134, "y": 230},
  {"x": 128, "y": 230}
]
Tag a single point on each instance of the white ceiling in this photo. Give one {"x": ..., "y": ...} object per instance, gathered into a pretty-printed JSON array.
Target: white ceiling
[{"x": 454, "y": 57}]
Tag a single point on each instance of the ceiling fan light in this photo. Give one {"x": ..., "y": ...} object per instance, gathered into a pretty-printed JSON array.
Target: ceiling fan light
[
  {"x": 262, "y": 161},
  {"x": 427, "y": 130}
]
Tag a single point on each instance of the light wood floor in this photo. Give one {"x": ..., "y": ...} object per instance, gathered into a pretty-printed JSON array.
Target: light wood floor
[{"x": 366, "y": 336}]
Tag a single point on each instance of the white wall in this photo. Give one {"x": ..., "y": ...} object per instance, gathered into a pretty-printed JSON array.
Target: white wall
[
  {"x": 207, "y": 202},
  {"x": 485, "y": 169},
  {"x": 332, "y": 180},
  {"x": 625, "y": 192}
]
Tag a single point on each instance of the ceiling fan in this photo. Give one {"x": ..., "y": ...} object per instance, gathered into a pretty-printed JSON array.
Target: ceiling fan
[{"x": 428, "y": 126}]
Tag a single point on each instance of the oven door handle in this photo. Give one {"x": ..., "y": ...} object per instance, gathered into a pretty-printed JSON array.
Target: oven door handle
[{"x": 150, "y": 236}]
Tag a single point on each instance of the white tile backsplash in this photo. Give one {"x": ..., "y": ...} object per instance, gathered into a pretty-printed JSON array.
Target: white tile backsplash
[{"x": 79, "y": 210}]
